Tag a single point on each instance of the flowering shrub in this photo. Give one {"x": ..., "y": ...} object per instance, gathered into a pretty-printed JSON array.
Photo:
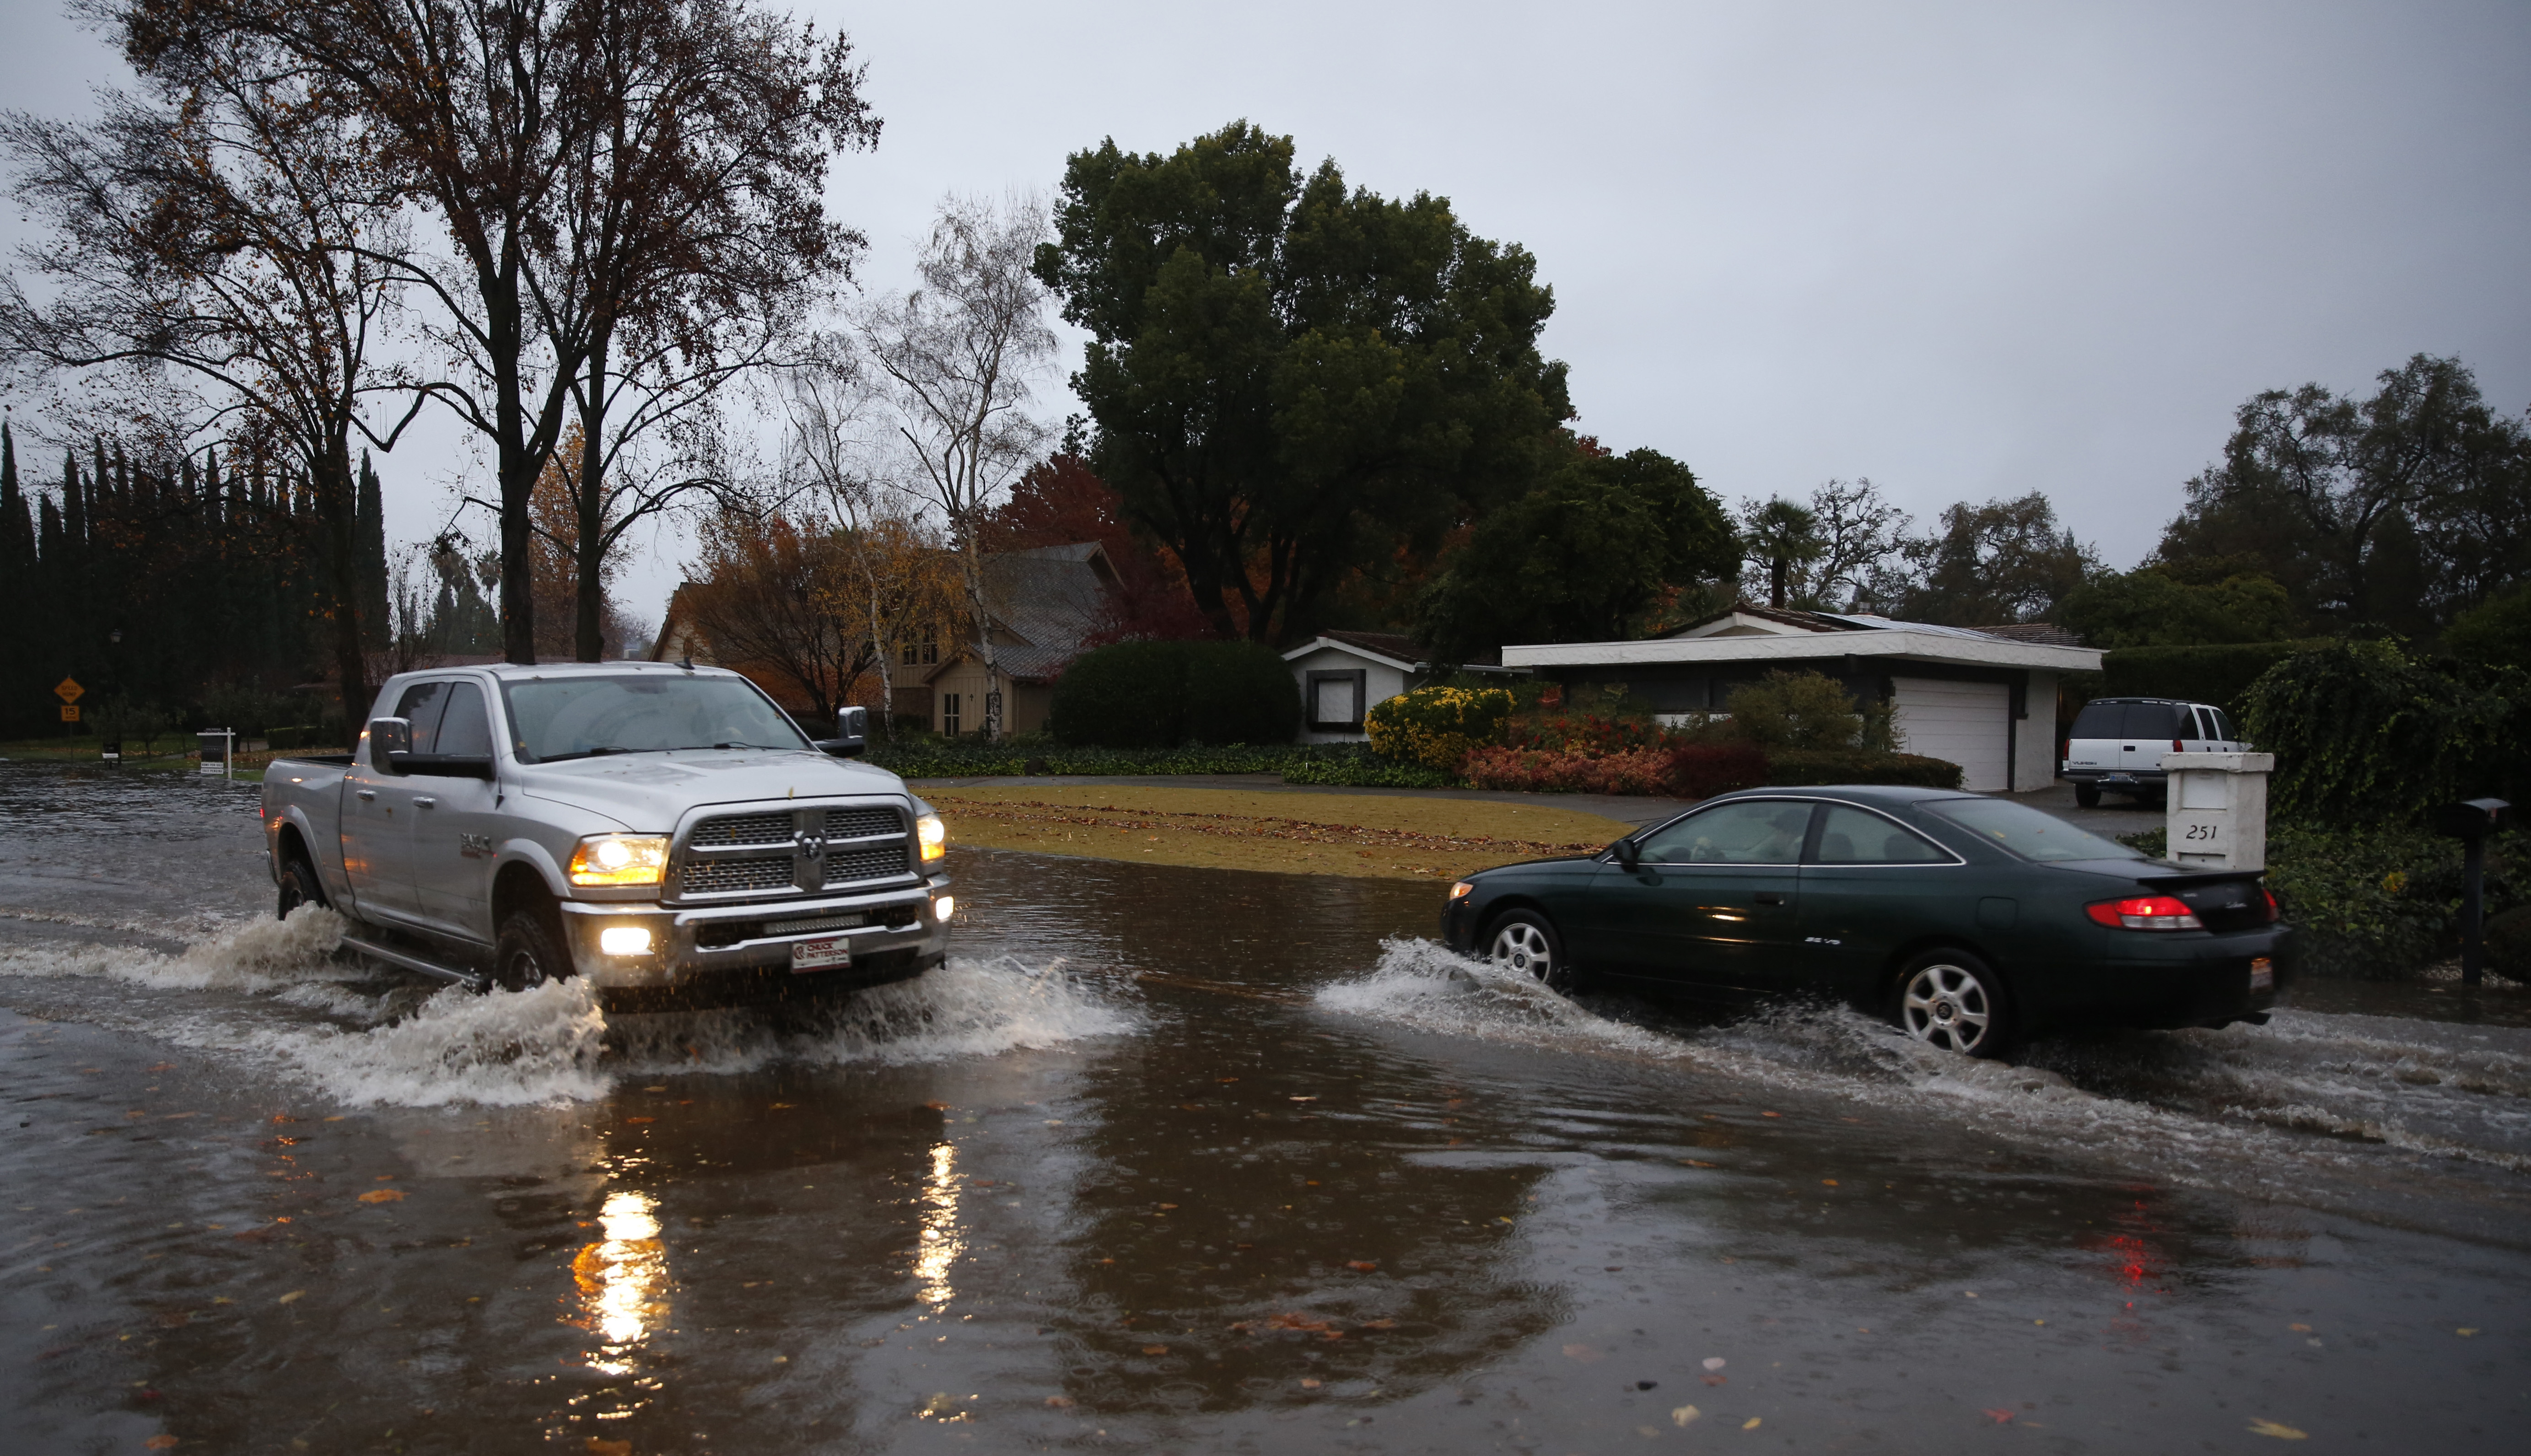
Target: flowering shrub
[
  {"x": 1437, "y": 726},
  {"x": 1589, "y": 734},
  {"x": 1684, "y": 771}
]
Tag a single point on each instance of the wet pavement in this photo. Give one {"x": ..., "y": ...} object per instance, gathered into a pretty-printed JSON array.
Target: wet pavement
[{"x": 1193, "y": 1160}]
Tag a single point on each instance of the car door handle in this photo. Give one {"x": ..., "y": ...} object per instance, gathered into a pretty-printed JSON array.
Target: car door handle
[
  {"x": 366, "y": 793},
  {"x": 1768, "y": 897},
  {"x": 424, "y": 801}
]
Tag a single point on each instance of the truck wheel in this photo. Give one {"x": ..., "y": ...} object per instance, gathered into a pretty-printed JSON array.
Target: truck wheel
[
  {"x": 2088, "y": 795},
  {"x": 299, "y": 886},
  {"x": 528, "y": 954}
]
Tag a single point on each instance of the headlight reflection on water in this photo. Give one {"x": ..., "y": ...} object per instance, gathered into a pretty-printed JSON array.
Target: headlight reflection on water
[
  {"x": 623, "y": 1280},
  {"x": 943, "y": 1241}
]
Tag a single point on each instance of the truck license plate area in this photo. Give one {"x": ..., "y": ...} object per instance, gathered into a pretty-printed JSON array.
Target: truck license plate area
[
  {"x": 820, "y": 955},
  {"x": 2262, "y": 974}
]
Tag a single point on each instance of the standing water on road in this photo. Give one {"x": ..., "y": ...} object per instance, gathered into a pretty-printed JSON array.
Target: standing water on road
[{"x": 1190, "y": 1159}]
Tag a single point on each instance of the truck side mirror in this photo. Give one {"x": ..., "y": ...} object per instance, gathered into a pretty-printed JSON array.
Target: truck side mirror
[
  {"x": 389, "y": 736},
  {"x": 852, "y": 734}
]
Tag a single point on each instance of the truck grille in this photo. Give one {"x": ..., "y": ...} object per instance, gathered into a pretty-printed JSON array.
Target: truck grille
[
  {"x": 720, "y": 876},
  {"x": 759, "y": 853},
  {"x": 864, "y": 863},
  {"x": 861, "y": 824},
  {"x": 744, "y": 828}
]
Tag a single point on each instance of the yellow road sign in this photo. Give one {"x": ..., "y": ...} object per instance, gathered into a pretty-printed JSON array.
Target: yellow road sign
[
  {"x": 67, "y": 690},
  {"x": 70, "y": 715}
]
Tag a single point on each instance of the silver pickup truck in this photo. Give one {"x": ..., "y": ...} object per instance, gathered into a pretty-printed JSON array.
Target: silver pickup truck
[{"x": 666, "y": 832}]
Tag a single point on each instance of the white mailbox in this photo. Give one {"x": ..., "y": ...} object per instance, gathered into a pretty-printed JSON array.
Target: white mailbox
[{"x": 2216, "y": 809}]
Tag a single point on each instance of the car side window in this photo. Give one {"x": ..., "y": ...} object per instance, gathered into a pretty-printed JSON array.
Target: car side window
[
  {"x": 1750, "y": 831},
  {"x": 1850, "y": 836},
  {"x": 422, "y": 706},
  {"x": 464, "y": 731}
]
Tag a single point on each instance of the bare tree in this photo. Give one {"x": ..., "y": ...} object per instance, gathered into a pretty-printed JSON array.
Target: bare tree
[
  {"x": 696, "y": 229},
  {"x": 232, "y": 230},
  {"x": 961, "y": 353},
  {"x": 1863, "y": 539}
]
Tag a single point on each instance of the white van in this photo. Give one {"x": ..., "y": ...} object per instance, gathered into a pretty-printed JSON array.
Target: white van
[{"x": 2116, "y": 744}]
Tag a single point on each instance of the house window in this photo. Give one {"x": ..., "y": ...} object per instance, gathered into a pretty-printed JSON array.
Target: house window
[
  {"x": 1335, "y": 701},
  {"x": 949, "y": 713},
  {"x": 922, "y": 651}
]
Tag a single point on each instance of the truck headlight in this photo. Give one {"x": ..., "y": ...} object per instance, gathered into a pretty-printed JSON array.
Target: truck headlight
[
  {"x": 935, "y": 836},
  {"x": 620, "y": 860}
]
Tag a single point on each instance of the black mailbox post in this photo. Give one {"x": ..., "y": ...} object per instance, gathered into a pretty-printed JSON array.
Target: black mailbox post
[{"x": 2471, "y": 821}]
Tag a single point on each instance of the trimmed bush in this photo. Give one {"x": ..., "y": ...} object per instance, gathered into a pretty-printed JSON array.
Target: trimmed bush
[
  {"x": 2364, "y": 733},
  {"x": 1160, "y": 694},
  {"x": 1701, "y": 770},
  {"x": 1355, "y": 766},
  {"x": 1240, "y": 692},
  {"x": 2220, "y": 675},
  {"x": 1795, "y": 768},
  {"x": 1129, "y": 696},
  {"x": 1680, "y": 771},
  {"x": 1437, "y": 726}
]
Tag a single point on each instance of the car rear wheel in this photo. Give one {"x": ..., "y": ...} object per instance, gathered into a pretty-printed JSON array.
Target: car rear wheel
[
  {"x": 529, "y": 953},
  {"x": 2088, "y": 795},
  {"x": 299, "y": 886},
  {"x": 1953, "y": 1000},
  {"x": 1524, "y": 943}
]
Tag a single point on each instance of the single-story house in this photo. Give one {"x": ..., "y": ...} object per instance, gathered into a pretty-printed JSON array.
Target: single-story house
[
  {"x": 1046, "y": 603},
  {"x": 1342, "y": 673},
  {"x": 1983, "y": 698}
]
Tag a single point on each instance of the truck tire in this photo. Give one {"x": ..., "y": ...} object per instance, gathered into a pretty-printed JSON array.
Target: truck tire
[
  {"x": 529, "y": 953},
  {"x": 299, "y": 886},
  {"x": 2087, "y": 796}
]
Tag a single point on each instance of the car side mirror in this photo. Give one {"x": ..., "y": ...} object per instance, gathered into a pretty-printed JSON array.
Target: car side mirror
[
  {"x": 1627, "y": 852},
  {"x": 852, "y": 734},
  {"x": 389, "y": 737}
]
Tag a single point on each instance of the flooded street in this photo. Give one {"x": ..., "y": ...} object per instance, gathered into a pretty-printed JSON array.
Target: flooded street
[{"x": 1177, "y": 1160}]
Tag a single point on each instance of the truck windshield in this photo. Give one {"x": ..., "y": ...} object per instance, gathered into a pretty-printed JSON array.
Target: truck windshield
[
  {"x": 575, "y": 717},
  {"x": 2029, "y": 832}
]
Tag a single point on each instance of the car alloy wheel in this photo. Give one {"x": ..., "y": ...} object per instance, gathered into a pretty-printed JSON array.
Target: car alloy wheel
[
  {"x": 1948, "y": 1005},
  {"x": 1525, "y": 946}
]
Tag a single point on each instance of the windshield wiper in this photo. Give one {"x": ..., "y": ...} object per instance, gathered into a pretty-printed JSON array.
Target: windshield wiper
[
  {"x": 596, "y": 754},
  {"x": 698, "y": 747}
]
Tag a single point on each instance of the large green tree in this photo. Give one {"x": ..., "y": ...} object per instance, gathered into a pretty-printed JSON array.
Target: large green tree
[
  {"x": 2401, "y": 508},
  {"x": 1589, "y": 556},
  {"x": 1291, "y": 379},
  {"x": 2179, "y": 605},
  {"x": 2004, "y": 561}
]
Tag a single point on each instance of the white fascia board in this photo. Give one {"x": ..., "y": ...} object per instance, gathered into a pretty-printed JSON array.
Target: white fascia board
[
  {"x": 1919, "y": 646},
  {"x": 1316, "y": 643}
]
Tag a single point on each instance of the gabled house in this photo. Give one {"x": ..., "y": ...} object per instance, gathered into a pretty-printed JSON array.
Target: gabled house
[
  {"x": 1343, "y": 674},
  {"x": 1985, "y": 699},
  {"x": 1046, "y": 605}
]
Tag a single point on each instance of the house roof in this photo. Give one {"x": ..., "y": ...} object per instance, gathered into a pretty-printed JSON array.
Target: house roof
[
  {"x": 1048, "y": 601},
  {"x": 1755, "y": 634},
  {"x": 1395, "y": 648}
]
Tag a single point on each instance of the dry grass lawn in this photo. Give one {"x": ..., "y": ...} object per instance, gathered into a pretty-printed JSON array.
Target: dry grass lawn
[{"x": 1378, "y": 836}]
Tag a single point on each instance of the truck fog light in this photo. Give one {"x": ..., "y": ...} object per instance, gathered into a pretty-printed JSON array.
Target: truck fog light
[
  {"x": 625, "y": 940},
  {"x": 943, "y": 907}
]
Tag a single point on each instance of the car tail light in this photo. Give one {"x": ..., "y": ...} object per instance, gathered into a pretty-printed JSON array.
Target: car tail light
[
  {"x": 2145, "y": 913},
  {"x": 2175, "y": 746},
  {"x": 2271, "y": 897}
]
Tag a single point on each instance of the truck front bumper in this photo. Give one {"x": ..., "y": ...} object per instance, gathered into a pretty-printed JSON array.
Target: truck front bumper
[{"x": 900, "y": 931}]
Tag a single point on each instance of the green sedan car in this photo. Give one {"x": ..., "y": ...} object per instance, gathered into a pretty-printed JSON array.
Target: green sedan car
[{"x": 1971, "y": 922}]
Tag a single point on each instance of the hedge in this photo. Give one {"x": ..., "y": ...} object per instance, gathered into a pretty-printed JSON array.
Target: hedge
[
  {"x": 1355, "y": 766},
  {"x": 1160, "y": 694},
  {"x": 1795, "y": 768},
  {"x": 2373, "y": 904},
  {"x": 1036, "y": 756},
  {"x": 2218, "y": 675}
]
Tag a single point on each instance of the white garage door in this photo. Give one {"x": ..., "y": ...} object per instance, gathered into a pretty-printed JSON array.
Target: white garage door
[{"x": 1968, "y": 723}]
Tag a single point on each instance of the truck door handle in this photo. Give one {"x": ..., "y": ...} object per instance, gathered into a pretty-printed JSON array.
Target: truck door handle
[
  {"x": 1768, "y": 897},
  {"x": 366, "y": 793},
  {"x": 424, "y": 801}
]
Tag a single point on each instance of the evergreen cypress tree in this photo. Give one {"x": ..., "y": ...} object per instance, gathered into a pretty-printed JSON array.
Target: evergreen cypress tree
[
  {"x": 372, "y": 521},
  {"x": 20, "y": 701}
]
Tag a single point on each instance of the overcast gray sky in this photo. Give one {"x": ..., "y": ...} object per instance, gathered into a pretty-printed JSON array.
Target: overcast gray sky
[{"x": 1965, "y": 249}]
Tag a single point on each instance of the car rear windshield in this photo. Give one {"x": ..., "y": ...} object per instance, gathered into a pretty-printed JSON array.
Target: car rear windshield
[
  {"x": 576, "y": 717},
  {"x": 2028, "y": 833},
  {"x": 2126, "y": 720}
]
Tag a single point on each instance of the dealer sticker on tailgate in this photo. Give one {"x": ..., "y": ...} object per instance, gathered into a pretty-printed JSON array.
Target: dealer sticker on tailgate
[
  {"x": 821, "y": 955},
  {"x": 2263, "y": 973}
]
